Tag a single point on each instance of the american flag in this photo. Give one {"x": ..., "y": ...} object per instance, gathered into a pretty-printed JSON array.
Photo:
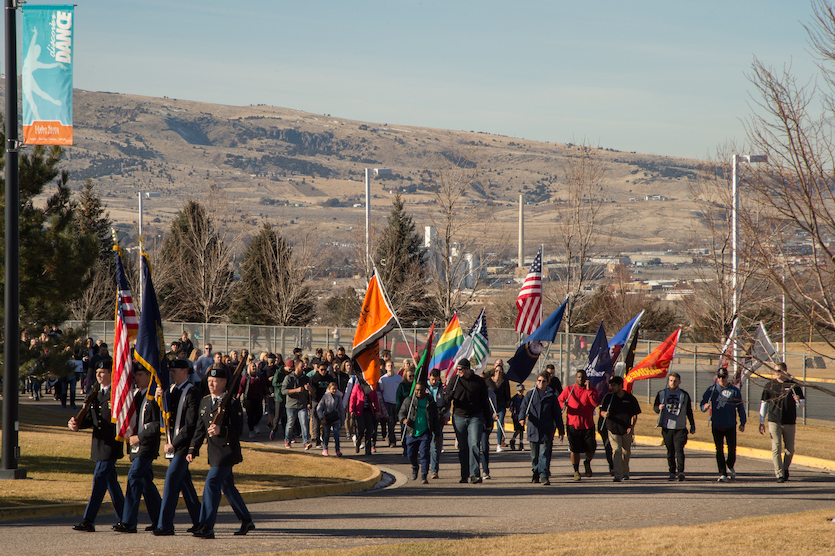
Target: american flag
[
  {"x": 529, "y": 300},
  {"x": 127, "y": 324}
]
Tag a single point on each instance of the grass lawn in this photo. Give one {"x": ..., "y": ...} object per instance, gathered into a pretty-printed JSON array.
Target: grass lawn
[
  {"x": 58, "y": 462},
  {"x": 801, "y": 533}
]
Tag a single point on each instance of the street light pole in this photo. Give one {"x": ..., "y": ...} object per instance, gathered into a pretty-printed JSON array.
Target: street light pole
[
  {"x": 377, "y": 172},
  {"x": 735, "y": 242}
]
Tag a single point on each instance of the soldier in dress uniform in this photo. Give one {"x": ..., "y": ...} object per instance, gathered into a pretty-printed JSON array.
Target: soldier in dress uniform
[
  {"x": 184, "y": 402},
  {"x": 105, "y": 450},
  {"x": 144, "y": 449},
  {"x": 224, "y": 449}
]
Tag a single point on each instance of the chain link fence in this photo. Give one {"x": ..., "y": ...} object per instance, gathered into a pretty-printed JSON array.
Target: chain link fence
[{"x": 696, "y": 363}]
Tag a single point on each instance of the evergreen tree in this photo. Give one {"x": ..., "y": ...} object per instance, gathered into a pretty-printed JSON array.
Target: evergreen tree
[
  {"x": 401, "y": 262},
  {"x": 54, "y": 253},
  {"x": 272, "y": 288},
  {"x": 96, "y": 302}
]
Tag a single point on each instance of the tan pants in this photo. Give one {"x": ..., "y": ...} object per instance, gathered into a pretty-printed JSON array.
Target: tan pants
[
  {"x": 781, "y": 436},
  {"x": 621, "y": 452}
]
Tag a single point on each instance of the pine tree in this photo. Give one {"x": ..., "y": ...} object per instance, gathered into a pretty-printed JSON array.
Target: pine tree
[{"x": 401, "y": 262}]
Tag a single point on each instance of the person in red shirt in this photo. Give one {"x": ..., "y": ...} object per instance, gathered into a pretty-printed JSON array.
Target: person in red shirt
[{"x": 579, "y": 400}]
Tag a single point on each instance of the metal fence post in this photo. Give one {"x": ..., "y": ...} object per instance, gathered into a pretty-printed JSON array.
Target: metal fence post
[
  {"x": 804, "y": 388},
  {"x": 695, "y": 369}
]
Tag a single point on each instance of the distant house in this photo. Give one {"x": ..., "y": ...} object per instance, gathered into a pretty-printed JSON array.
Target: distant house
[{"x": 655, "y": 198}]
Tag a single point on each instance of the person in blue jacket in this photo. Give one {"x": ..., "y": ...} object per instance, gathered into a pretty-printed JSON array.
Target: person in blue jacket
[
  {"x": 724, "y": 402},
  {"x": 541, "y": 412}
]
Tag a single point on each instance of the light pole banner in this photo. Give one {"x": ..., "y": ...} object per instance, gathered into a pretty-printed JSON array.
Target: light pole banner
[{"x": 47, "y": 74}]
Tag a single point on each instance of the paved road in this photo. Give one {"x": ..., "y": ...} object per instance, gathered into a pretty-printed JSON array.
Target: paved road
[{"x": 507, "y": 504}]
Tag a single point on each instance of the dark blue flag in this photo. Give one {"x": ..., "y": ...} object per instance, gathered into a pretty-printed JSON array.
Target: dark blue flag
[
  {"x": 150, "y": 343},
  {"x": 599, "y": 368},
  {"x": 527, "y": 354}
]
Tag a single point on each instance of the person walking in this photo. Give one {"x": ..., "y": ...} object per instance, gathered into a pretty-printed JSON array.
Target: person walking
[
  {"x": 540, "y": 411},
  {"x": 674, "y": 410},
  {"x": 470, "y": 408},
  {"x": 619, "y": 411},
  {"x": 781, "y": 399},
  {"x": 419, "y": 415},
  {"x": 579, "y": 401}
]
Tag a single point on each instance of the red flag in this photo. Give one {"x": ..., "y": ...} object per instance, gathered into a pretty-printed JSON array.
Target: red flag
[
  {"x": 654, "y": 365},
  {"x": 529, "y": 300},
  {"x": 121, "y": 398}
]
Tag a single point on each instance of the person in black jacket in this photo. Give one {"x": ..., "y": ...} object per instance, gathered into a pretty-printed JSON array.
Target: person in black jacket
[
  {"x": 144, "y": 449},
  {"x": 183, "y": 401},
  {"x": 541, "y": 411},
  {"x": 104, "y": 450},
  {"x": 470, "y": 407},
  {"x": 419, "y": 414},
  {"x": 224, "y": 448}
]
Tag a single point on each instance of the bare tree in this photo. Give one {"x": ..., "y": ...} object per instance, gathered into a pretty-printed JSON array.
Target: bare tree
[
  {"x": 581, "y": 231},
  {"x": 710, "y": 308},
  {"x": 273, "y": 286},
  {"x": 461, "y": 248},
  {"x": 194, "y": 274},
  {"x": 793, "y": 228}
]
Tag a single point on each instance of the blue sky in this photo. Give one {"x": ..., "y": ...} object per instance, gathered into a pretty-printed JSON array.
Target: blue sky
[{"x": 666, "y": 78}]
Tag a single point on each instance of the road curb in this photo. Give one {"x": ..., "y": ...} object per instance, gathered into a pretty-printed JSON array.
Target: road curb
[{"x": 253, "y": 496}]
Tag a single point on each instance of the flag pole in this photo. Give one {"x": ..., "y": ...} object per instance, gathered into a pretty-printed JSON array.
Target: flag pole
[{"x": 386, "y": 297}]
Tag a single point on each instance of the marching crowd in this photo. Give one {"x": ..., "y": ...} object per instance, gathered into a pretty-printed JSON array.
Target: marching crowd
[{"x": 327, "y": 403}]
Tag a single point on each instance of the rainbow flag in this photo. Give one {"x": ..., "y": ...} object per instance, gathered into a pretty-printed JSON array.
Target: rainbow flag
[{"x": 448, "y": 344}]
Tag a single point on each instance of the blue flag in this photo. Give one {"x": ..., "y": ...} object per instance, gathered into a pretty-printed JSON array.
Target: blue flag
[
  {"x": 599, "y": 368},
  {"x": 527, "y": 354},
  {"x": 623, "y": 337},
  {"x": 150, "y": 343}
]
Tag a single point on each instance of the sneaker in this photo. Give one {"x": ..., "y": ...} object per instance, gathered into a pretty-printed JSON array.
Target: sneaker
[
  {"x": 723, "y": 479},
  {"x": 498, "y": 449},
  {"x": 616, "y": 479},
  {"x": 434, "y": 475},
  {"x": 626, "y": 477},
  {"x": 414, "y": 473},
  {"x": 577, "y": 477},
  {"x": 361, "y": 446},
  {"x": 733, "y": 473},
  {"x": 546, "y": 481},
  {"x": 374, "y": 449},
  {"x": 672, "y": 477},
  {"x": 512, "y": 445},
  {"x": 339, "y": 453},
  {"x": 486, "y": 476},
  {"x": 356, "y": 448},
  {"x": 423, "y": 480},
  {"x": 257, "y": 430},
  {"x": 252, "y": 434},
  {"x": 287, "y": 445},
  {"x": 535, "y": 477},
  {"x": 587, "y": 465},
  {"x": 475, "y": 480},
  {"x": 272, "y": 435},
  {"x": 308, "y": 446},
  {"x": 325, "y": 452},
  {"x": 680, "y": 477}
]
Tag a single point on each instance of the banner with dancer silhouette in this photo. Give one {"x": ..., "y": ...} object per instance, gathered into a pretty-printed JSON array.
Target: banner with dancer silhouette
[{"x": 47, "y": 74}]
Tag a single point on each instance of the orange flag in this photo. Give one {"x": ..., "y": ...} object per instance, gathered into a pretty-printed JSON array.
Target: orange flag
[
  {"x": 654, "y": 365},
  {"x": 376, "y": 320}
]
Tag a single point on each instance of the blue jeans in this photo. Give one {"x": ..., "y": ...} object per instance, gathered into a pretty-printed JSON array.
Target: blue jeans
[
  {"x": 178, "y": 479},
  {"x": 327, "y": 430},
  {"x": 293, "y": 415},
  {"x": 435, "y": 449},
  {"x": 221, "y": 478},
  {"x": 500, "y": 427},
  {"x": 541, "y": 457},
  {"x": 141, "y": 483},
  {"x": 468, "y": 431},
  {"x": 105, "y": 480},
  {"x": 418, "y": 447},
  {"x": 485, "y": 451}
]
